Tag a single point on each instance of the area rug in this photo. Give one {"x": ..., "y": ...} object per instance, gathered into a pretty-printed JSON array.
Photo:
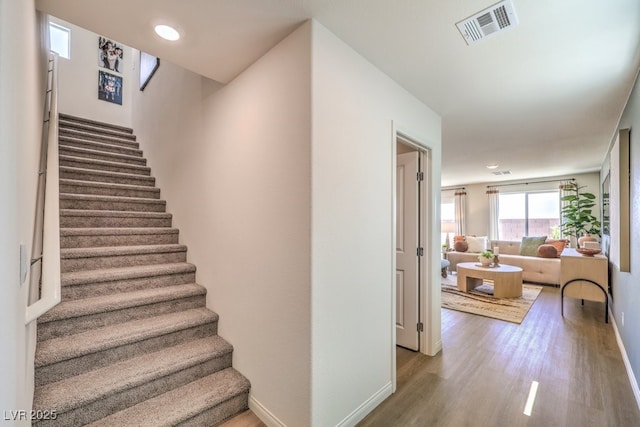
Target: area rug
[{"x": 481, "y": 301}]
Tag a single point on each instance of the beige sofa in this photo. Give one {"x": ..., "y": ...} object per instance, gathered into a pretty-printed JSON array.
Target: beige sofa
[{"x": 534, "y": 269}]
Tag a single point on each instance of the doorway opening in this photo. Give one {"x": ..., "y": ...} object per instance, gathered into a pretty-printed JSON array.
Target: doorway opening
[{"x": 424, "y": 332}]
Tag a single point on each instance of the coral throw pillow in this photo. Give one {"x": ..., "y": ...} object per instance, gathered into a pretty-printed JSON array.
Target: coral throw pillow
[
  {"x": 460, "y": 246},
  {"x": 559, "y": 244},
  {"x": 547, "y": 251}
]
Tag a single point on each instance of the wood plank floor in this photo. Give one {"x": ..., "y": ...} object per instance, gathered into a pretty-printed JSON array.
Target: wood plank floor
[{"x": 483, "y": 375}]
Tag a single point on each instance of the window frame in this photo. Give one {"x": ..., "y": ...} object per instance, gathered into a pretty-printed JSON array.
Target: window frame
[
  {"x": 64, "y": 29},
  {"x": 526, "y": 208}
]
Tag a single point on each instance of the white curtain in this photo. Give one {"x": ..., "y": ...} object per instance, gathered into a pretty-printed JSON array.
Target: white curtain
[
  {"x": 460, "y": 202},
  {"x": 494, "y": 197}
]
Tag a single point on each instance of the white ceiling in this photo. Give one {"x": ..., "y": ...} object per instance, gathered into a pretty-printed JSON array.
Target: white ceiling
[{"x": 541, "y": 99}]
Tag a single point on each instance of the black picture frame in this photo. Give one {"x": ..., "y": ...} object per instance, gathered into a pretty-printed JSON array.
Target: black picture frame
[
  {"x": 109, "y": 87},
  {"x": 148, "y": 66}
]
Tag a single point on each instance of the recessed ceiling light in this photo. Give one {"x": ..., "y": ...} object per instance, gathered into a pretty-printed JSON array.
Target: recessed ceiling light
[
  {"x": 167, "y": 32},
  {"x": 493, "y": 166}
]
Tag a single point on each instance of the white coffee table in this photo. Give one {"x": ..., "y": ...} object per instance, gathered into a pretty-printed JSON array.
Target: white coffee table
[{"x": 507, "y": 279}]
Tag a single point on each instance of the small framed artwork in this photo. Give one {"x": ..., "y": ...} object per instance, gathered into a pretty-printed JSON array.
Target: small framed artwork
[
  {"x": 110, "y": 55},
  {"x": 148, "y": 66},
  {"x": 109, "y": 87}
]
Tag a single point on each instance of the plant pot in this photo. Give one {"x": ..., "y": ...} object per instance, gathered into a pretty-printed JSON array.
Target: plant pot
[{"x": 485, "y": 262}]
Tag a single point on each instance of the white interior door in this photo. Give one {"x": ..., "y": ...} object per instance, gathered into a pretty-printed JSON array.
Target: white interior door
[{"x": 407, "y": 242}]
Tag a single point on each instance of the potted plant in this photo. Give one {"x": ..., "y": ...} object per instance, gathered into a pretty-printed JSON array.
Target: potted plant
[
  {"x": 485, "y": 258},
  {"x": 577, "y": 216}
]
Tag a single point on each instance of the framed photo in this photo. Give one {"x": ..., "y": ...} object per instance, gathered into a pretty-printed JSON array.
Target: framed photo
[
  {"x": 109, "y": 87},
  {"x": 148, "y": 66},
  {"x": 110, "y": 55}
]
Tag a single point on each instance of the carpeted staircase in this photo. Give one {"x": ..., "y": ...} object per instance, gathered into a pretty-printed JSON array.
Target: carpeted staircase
[{"x": 131, "y": 343}]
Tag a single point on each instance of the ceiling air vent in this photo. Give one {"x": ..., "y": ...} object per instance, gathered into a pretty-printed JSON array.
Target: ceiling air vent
[
  {"x": 492, "y": 20},
  {"x": 501, "y": 173}
]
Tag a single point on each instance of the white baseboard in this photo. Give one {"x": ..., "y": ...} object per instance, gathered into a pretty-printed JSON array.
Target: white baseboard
[
  {"x": 625, "y": 359},
  {"x": 351, "y": 420},
  {"x": 264, "y": 414},
  {"x": 369, "y": 405}
]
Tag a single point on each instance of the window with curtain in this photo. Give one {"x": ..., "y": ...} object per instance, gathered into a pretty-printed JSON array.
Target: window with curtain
[{"x": 529, "y": 214}]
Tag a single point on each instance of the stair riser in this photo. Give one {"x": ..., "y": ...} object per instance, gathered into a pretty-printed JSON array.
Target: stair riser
[
  {"x": 122, "y": 168},
  {"x": 116, "y": 402},
  {"x": 150, "y": 193},
  {"x": 95, "y": 263},
  {"x": 108, "y": 221},
  {"x": 76, "y": 325},
  {"x": 68, "y": 368},
  {"x": 112, "y": 205},
  {"x": 217, "y": 414},
  {"x": 66, "y": 151},
  {"x": 128, "y": 285},
  {"x": 128, "y": 180},
  {"x": 93, "y": 145},
  {"x": 97, "y": 136},
  {"x": 117, "y": 240}
]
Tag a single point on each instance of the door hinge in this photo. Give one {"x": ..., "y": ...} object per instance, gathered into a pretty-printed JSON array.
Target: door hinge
[
  {"x": 420, "y": 251},
  {"x": 420, "y": 176},
  {"x": 420, "y": 327}
]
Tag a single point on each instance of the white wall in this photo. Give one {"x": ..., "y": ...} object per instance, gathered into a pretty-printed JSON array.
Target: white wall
[
  {"x": 354, "y": 109},
  {"x": 478, "y": 201},
  {"x": 21, "y": 86},
  {"x": 234, "y": 166},
  {"x": 79, "y": 80}
]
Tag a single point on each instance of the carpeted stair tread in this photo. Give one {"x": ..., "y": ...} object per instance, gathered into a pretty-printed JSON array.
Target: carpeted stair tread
[
  {"x": 76, "y": 391},
  {"x": 75, "y": 186},
  {"x": 114, "y": 274},
  {"x": 95, "y": 137},
  {"x": 101, "y": 155},
  {"x": 106, "y": 176},
  {"x": 93, "y": 341},
  {"x": 117, "y": 236},
  {"x": 83, "y": 218},
  {"x": 108, "y": 213},
  {"x": 94, "y": 123},
  {"x": 107, "y": 303},
  {"x": 92, "y": 128},
  {"x": 94, "y": 164},
  {"x": 181, "y": 404},
  {"x": 94, "y": 258},
  {"x": 95, "y": 202},
  {"x": 72, "y": 141},
  {"x": 115, "y": 231},
  {"x": 72, "y": 253}
]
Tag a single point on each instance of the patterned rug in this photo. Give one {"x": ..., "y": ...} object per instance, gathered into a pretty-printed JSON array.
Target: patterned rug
[{"x": 481, "y": 301}]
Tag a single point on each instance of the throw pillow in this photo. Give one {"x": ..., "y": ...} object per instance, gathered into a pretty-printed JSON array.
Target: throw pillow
[
  {"x": 475, "y": 244},
  {"x": 559, "y": 244},
  {"x": 458, "y": 238},
  {"x": 547, "y": 251},
  {"x": 460, "y": 246},
  {"x": 529, "y": 245},
  {"x": 484, "y": 241}
]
